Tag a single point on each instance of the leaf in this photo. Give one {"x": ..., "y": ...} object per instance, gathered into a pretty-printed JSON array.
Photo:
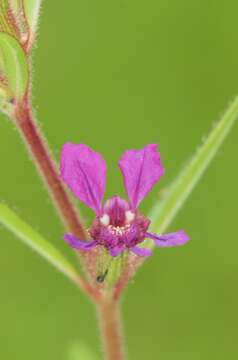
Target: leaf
[
  {"x": 177, "y": 193},
  {"x": 79, "y": 351},
  {"x": 32, "y": 11},
  {"x": 30, "y": 237},
  {"x": 14, "y": 74}
]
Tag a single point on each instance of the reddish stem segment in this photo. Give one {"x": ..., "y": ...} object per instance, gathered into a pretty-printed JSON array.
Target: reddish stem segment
[
  {"x": 108, "y": 309},
  {"x": 46, "y": 166},
  {"x": 111, "y": 331}
]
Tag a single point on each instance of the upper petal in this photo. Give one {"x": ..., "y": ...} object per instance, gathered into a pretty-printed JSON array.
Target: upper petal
[
  {"x": 141, "y": 169},
  {"x": 84, "y": 171}
]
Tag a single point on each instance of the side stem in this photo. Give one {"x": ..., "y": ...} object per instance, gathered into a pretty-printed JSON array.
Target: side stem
[
  {"x": 111, "y": 330},
  {"x": 47, "y": 168},
  {"x": 39, "y": 151}
]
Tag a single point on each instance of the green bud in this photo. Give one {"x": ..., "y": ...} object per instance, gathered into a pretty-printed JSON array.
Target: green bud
[{"x": 14, "y": 76}]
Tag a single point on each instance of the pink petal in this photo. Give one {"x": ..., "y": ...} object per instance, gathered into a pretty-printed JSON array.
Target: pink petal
[
  {"x": 141, "y": 251},
  {"x": 117, "y": 250},
  {"x": 168, "y": 240},
  {"x": 75, "y": 243},
  {"x": 141, "y": 169},
  {"x": 84, "y": 171}
]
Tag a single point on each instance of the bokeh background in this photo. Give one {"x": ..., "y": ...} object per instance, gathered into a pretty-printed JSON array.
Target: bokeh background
[{"x": 118, "y": 75}]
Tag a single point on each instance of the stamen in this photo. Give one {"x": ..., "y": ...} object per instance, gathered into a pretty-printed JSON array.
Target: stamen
[
  {"x": 102, "y": 277},
  {"x": 105, "y": 220},
  {"x": 130, "y": 216},
  {"x": 119, "y": 230}
]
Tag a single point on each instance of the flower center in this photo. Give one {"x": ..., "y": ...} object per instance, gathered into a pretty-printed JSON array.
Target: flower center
[
  {"x": 119, "y": 227},
  {"x": 119, "y": 230}
]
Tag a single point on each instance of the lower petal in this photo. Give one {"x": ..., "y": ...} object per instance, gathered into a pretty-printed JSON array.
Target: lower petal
[
  {"x": 75, "y": 243},
  {"x": 141, "y": 251},
  {"x": 168, "y": 240},
  {"x": 116, "y": 250}
]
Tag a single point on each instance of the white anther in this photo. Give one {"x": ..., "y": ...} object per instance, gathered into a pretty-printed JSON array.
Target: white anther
[
  {"x": 130, "y": 216},
  {"x": 105, "y": 220}
]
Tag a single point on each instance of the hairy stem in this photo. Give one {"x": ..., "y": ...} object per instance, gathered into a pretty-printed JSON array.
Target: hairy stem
[
  {"x": 111, "y": 331},
  {"x": 38, "y": 149},
  {"x": 47, "y": 168}
]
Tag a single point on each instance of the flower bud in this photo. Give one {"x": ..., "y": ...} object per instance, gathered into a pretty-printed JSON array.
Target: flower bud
[
  {"x": 19, "y": 19},
  {"x": 14, "y": 76}
]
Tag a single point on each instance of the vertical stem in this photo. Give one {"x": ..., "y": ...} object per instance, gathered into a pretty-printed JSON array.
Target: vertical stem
[
  {"x": 39, "y": 150},
  {"x": 111, "y": 331}
]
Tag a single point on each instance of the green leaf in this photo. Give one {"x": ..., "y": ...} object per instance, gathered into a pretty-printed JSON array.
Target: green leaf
[
  {"x": 14, "y": 76},
  {"x": 79, "y": 351},
  {"x": 32, "y": 11},
  {"x": 30, "y": 237},
  {"x": 177, "y": 193}
]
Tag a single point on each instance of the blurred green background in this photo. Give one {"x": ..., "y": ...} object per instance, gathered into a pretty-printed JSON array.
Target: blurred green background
[{"x": 118, "y": 75}]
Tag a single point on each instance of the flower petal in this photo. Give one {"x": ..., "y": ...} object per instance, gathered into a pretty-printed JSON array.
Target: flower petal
[
  {"x": 141, "y": 169},
  {"x": 84, "y": 171},
  {"x": 168, "y": 240},
  {"x": 117, "y": 250},
  {"x": 75, "y": 243},
  {"x": 141, "y": 251}
]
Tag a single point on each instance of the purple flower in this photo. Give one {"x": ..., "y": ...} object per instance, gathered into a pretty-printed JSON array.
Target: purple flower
[{"x": 118, "y": 225}]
